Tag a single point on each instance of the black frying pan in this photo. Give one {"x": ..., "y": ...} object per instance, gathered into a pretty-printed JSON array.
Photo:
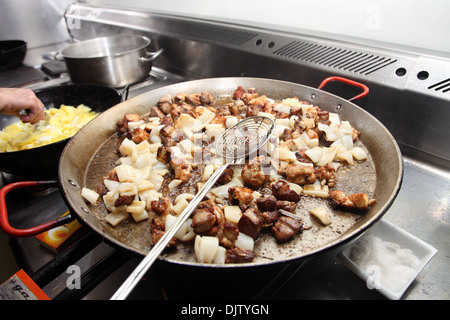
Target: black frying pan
[
  {"x": 12, "y": 53},
  {"x": 42, "y": 162}
]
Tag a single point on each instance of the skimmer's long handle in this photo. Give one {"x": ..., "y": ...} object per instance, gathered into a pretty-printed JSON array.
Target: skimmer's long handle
[{"x": 154, "y": 253}]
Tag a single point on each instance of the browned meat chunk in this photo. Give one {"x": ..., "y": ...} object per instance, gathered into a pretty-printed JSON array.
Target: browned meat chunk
[
  {"x": 112, "y": 175},
  {"x": 165, "y": 103},
  {"x": 286, "y": 205},
  {"x": 162, "y": 206},
  {"x": 250, "y": 223},
  {"x": 158, "y": 234},
  {"x": 193, "y": 100},
  {"x": 203, "y": 221},
  {"x": 299, "y": 174},
  {"x": 238, "y": 255},
  {"x": 243, "y": 196},
  {"x": 286, "y": 228},
  {"x": 228, "y": 235},
  {"x": 238, "y": 93},
  {"x": 122, "y": 125},
  {"x": 226, "y": 176},
  {"x": 253, "y": 173},
  {"x": 156, "y": 112},
  {"x": 182, "y": 169},
  {"x": 324, "y": 117},
  {"x": 124, "y": 200},
  {"x": 281, "y": 191},
  {"x": 138, "y": 135},
  {"x": 328, "y": 173},
  {"x": 237, "y": 107},
  {"x": 268, "y": 203},
  {"x": 132, "y": 117},
  {"x": 163, "y": 154},
  {"x": 208, "y": 218},
  {"x": 359, "y": 201},
  {"x": 207, "y": 98},
  {"x": 269, "y": 217}
]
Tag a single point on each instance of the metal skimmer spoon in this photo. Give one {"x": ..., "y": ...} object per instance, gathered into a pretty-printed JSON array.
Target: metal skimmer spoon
[{"x": 234, "y": 145}]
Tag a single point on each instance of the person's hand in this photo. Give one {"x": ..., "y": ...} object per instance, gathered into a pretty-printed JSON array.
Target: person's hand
[{"x": 12, "y": 100}]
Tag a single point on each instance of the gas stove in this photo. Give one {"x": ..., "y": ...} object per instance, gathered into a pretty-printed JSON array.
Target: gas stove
[{"x": 407, "y": 91}]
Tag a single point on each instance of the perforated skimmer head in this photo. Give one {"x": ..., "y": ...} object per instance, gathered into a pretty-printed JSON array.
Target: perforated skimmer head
[{"x": 244, "y": 138}]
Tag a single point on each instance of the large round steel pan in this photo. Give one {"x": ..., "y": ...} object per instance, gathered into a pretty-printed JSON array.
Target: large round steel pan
[
  {"x": 387, "y": 161},
  {"x": 82, "y": 155}
]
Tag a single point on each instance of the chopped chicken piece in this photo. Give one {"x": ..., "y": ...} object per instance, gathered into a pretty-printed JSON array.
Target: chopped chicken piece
[
  {"x": 253, "y": 173},
  {"x": 250, "y": 223},
  {"x": 281, "y": 191},
  {"x": 182, "y": 169},
  {"x": 243, "y": 196},
  {"x": 286, "y": 228},
  {"x": 238, "y": 255},
  {"x": 299, "y": 174},
  {"x": 358, "y": 201}
]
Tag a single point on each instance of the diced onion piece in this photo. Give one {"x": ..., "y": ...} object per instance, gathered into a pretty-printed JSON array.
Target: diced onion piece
[
  {"x": 207, "y": 172},
  {"x": 347, "y": 141},
  {"x": 279, "y": 129},
  {"x": 125, "y": 172},
  {"x": 345, "y": 156},
  {"x": 295, "y": 187},
  {"x": 316, "y": 190},
  {"x": 135, "y": 124},
  {"x": 292, "y": 121},
  {"x": 127, "y": 147},
  {"x": 90, "y": 195},
  {"x": 315, "y": 154},
  {"x": 142, "y": 185},
  {"x": 190, "y": 234},
  {"x": 346, "y": 128},
  {"x": 220, "y": 256},
  {"x": 322, "y": 214},
  {"x": 189, "y": 123},
  {"x": 137, "y": 207},
  {"x": 205, "y": 248},
  {"x": 358, "y": 153},
  {"x": 284, "y": 154},
  {"x": 206, "y": 115},
  {"x": 282, "y": 108},
  {"x": 111, "y": 185},
  {"x": 114, "y": 218},
  {"x": 327, "y": 156},
  {"x": 231, "y": 121},
  {"x": 174, "y": 183},
  {"x": 185, "y": 196},
  {"x": 127, "y": 189},
  {"x": 334, "y": 119},
  {"x": 266, "y": 114},
  {"x": 143, "y": 173},
  {"x": 283, "y": 122},
  {"x": 180, "y": 206},
  {"x": 232, "y": 214},
  {"x": 244, "y": 241},
  {"x": 181, "y": 232}
]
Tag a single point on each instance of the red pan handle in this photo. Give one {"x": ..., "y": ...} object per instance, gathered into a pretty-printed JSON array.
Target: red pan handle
[
  {"x": 4, "y": 223},
  {"x": 350, "y": 82}
]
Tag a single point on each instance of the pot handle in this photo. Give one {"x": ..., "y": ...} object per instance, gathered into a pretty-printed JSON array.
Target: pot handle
[
  {"x": 150, "y": 56},
  {"x": 4, "y": 223},
  {"x": 350, "y": 82}
]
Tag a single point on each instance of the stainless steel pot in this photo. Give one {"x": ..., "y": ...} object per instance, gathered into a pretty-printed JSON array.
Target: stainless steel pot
[{"x": 114, "y": 61}]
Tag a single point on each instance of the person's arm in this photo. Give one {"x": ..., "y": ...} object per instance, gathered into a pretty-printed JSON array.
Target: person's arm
[{"x": 12, "y": 100}]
